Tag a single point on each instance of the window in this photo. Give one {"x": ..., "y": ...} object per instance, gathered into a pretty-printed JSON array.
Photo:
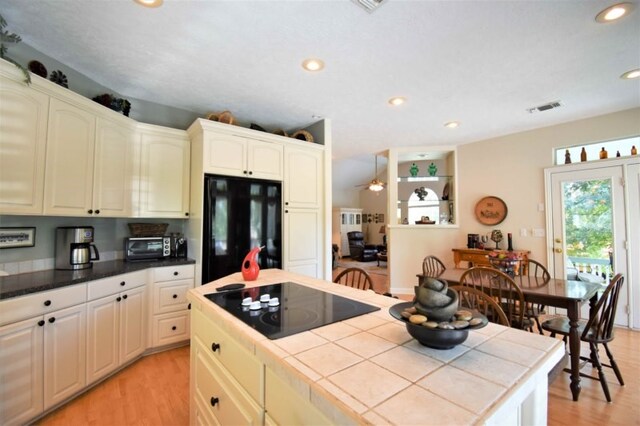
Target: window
[{"x": 429, "y": 207}]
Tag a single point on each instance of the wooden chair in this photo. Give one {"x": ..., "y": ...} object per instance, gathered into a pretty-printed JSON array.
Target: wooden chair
[
  {"x": 501, "y": 288},
  {"x": 432, "y": 267},
  {"x": 598, "y": 329},
  {"x": 472, "y": 298},
  {"x": 533, "y": 274},
  {"x": 354, "y": 277}
]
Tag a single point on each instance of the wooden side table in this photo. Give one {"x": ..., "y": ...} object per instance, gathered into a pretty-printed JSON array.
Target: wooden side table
[{"x": 478, "y": 257}]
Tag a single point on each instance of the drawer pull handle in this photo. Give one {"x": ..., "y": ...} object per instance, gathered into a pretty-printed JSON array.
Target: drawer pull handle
[
  {"x": 175, "y": 273},
  {"x": 125, "y": 296},
  {"x": 215, "y": 346},
  {"x": 41, "y": 323},
  {"x": 214, "y": 401},
  {"x": 47, "y": 303},
  {"x": 189, "y": 306},
  {"x": 174, "y": 328},
  {"x": 175, "y": 296},
  {"x": 118, "y": 298},
  {"x": 122, "y": 283},
  {"x": 52, "y": 320}
]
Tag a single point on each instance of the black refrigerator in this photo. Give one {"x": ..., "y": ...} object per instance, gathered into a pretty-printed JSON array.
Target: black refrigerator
[{"x": 240, "y": 214}]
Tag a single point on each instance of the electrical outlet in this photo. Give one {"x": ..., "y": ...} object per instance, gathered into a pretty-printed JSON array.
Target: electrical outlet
[
  {"x": 523, "y": 232},
  {"x": 538, "y": 232}
]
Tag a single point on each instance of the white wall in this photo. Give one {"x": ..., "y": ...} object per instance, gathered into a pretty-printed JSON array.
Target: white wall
[{"x": 512, "y": 168}]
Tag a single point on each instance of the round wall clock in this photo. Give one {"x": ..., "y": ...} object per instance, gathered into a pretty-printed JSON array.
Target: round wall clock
[{"x": 491, "y": 210}]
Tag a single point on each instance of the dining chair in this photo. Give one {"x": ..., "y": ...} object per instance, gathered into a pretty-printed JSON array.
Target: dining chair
[
  {"x": 354, "y": 277},
  {"x": 471, "y": 298},
  {"x": 533, "y": 274},
  {"x": 501, "y": 288},
  {"x": 597, "y": 330},
  {"x": 432, "y": 267}
]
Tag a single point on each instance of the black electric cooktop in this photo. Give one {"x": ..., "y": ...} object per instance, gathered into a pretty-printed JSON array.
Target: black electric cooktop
[{"x": 293, "y": 308}]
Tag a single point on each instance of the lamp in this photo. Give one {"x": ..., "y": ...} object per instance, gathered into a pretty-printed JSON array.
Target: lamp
[{"x": 383, "y": 231}]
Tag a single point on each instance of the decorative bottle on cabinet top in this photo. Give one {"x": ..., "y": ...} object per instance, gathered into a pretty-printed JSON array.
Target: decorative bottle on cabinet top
[
  {"x": 567, "y": 157},
  {"x": 634, "y": 151},
  {"x": 583, "y": 155},
  {"x": 603, "y": 153}
]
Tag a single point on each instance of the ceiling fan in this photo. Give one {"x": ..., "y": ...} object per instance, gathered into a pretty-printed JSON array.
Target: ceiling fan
[{"x": 376, "y": 185}]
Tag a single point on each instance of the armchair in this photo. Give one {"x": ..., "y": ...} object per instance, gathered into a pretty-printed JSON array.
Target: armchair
[{"x": 359, "y": 250}]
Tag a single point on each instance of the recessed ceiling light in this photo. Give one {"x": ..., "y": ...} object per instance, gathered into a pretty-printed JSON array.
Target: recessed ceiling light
[
  {"x": 613, "y": 13},
  {"x": 313, "y": 64},
  {"x": 398, "y": 100},
  {"x": 452, "y": 124},
  {"x": 149, "y": 3},
  {"x": 631, "y": 74}
]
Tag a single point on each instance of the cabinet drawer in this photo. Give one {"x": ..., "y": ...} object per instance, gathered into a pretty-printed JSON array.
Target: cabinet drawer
[
  {"x": 19, "y": 308},
  {"x": 171, "y": 296},
  {"x": 112, "y": 285},
  {"x": 169, "y": 273},
  {"x": 225, "y": 401},
  {"x": 238, "y": 360},
  {"x": 170, "y": 328}
]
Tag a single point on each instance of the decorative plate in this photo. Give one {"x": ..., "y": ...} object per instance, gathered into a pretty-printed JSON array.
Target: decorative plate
[
  {"x": 38, "y": 69},
  {"x": 59, "y": 78},
  {"x": 491, "y": 210}
]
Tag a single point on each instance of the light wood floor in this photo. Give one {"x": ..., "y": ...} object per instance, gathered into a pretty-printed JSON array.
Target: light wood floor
[{"x": 155, "y": 391}]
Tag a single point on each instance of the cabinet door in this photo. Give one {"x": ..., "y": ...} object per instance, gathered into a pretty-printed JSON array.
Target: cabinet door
[
  {"x": 102, "y": 337},
  {"x": 69, "y": 160},
  {"x": 113, "y": 169},
  {"x": 304, "y": 173},
  {"x": 225, "y": 155},
  {"x": 21, "y": 363},
  {"x": 133, "y": 319},
  {"x": 64, "y": 354},
  {"x": 265, "y": 160},
  {"x": 302, "y": 241},
  {"x": 23, "y": 136},
  {"x": 164, "y": 176}
]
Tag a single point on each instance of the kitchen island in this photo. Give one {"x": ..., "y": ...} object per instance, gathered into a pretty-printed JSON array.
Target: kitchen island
[{"x": 363, "y": 370}]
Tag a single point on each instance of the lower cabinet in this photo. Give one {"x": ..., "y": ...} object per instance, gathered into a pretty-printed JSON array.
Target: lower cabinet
[
  {"x": 42, "y": 362},
  {"x": 169, "y": 305},
  {"x": 116, "y": 331}
]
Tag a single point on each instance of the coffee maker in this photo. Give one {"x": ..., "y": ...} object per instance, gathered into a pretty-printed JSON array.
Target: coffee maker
[{"x": 74, "y": 248}]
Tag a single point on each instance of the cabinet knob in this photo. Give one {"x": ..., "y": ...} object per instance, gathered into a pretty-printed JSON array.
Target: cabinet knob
[
  {"x": 122, "y": 283},
  {"x": 90, "y": 211},
  {"x": 286, "y": 211},
  {"x": 215, "y": 346},
  {"x": 175, "y": 273},
  {"x": 250, "y": 172},
  {"x": 118, "y": 299},
  {"x": 97, "y": 211},
  {"x": 41, "y": 323},
  {"x": 186, "y": 214},
  {"x": 52, "y": 320},
  {"x": 125, "y": 296},
  {"x": 174, "y": 328},
  {"x": 47, "y": 303},
  {"x": 175, "y": 296},
  {"x": 189, "y": 306},
  {"x": 286, "y": 203},
  {"x": 214, "y": 401},
  {"x": 244, "y": 171}
]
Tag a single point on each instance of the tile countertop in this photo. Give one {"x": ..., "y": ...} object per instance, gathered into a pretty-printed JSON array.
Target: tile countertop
[
  {"x": 33, "y": 282},
  {"x": 369, "y": 370}
]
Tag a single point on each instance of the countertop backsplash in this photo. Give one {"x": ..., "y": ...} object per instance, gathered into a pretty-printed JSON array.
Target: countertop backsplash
[{"x": 26, "y": 266}]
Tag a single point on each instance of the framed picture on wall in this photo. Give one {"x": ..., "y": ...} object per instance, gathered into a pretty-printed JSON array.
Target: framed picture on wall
[
  {"x": 17, "y": 237},
  {"x": 380, "y": 218}
]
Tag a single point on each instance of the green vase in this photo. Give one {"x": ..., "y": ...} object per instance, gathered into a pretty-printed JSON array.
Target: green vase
[
  {"x": 432, "y": 169},
  {"x": 413, "y": 170}
]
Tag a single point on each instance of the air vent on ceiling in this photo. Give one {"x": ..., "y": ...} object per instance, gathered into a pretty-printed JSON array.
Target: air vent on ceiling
[
  {"x": 369, "y": 5},
  {"x": 545, "y": 107}
]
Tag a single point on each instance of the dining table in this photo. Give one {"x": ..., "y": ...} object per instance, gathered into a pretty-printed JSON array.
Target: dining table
[{"x": 558, "y": 293}]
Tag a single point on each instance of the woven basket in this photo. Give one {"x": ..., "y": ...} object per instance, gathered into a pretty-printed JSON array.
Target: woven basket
[
  {"x": 148, "y": 229},
  {"x": 303, "y": 135}
]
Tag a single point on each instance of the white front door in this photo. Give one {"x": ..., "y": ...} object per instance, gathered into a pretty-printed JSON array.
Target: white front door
[
  {"x": 633, "y": 280},
  {"x": 588, "y": 228}
]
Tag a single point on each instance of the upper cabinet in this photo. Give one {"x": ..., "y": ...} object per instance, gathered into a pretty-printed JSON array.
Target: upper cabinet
[
  {"x": 23, "y": 136},
  {"x": 304, "y": 173},
  {"x": 164, "y": 172},
  {"x": 233, "y": 155}
]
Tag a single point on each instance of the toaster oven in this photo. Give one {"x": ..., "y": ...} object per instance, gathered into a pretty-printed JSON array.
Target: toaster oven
[{"x": 147, "y": 248}]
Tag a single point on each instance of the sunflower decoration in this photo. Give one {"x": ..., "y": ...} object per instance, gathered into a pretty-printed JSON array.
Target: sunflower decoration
[{"x": 59, "y": 78}]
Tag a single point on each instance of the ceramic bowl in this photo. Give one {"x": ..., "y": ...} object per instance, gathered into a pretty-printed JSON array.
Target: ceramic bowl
[{"x": 436, "y": 338}]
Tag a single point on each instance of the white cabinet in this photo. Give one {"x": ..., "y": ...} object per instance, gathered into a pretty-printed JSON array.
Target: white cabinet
[
  {"x": 69, "y": 160},
  {"x": 23, "y": 136},
  {"x": 233, "y": 155},
  {"x": 42, "y": 352},
  {"x": 115, "y": 323},
  {"x": 21, "y": 371},
  {"x": 169, "y": 306},
  {"x": 345, "y": 220},
  {"x": 303, "y": 245},
  {"x": 164, "y": 172},
  {"x": 304, "y": 174}
]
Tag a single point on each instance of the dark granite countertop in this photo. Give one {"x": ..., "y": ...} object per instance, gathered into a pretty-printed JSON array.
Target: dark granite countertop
[{"x": 33, "y": 282}]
